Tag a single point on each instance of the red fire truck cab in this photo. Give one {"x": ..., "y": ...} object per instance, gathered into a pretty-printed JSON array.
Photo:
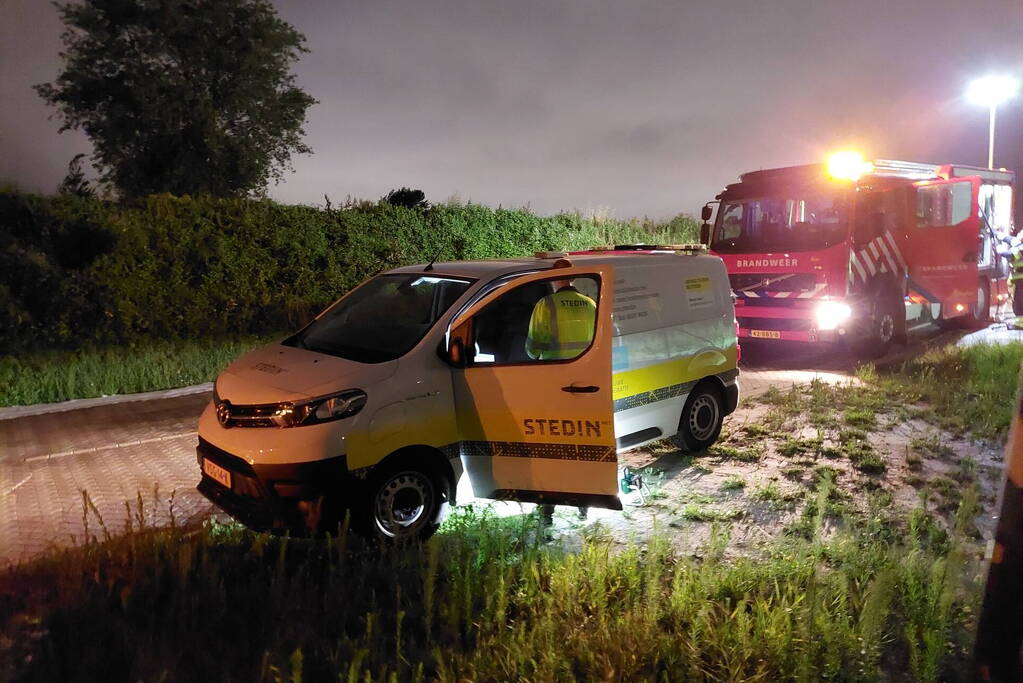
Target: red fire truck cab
[{"x": 853, "y": 250}]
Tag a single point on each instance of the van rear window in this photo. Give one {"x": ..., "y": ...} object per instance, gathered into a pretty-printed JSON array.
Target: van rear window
[{"x": 381, "y": 320}]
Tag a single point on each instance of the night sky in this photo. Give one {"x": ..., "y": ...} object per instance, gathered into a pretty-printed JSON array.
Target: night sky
[{"x": 633, "y": 108}]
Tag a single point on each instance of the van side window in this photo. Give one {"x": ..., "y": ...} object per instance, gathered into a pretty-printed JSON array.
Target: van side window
[{"x": 553, "y": 320}]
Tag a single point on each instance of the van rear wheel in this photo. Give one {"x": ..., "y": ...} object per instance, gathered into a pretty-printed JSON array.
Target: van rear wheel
[{"x": 702, "y": 416}]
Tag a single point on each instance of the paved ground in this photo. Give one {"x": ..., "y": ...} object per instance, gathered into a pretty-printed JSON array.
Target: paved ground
[{"x": 117, "y": 453}]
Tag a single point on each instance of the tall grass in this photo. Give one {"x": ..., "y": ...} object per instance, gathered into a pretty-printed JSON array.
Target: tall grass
[
  {"x": 983, "y": 376},
  {"x": 485, "y": 600},
  {"x": 50, "y": 376}
]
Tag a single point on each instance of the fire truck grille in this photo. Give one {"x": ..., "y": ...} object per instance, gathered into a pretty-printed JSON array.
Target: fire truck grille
[{"x": 774, "y": 282}]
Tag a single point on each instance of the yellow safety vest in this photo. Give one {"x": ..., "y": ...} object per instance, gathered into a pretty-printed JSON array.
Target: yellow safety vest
[{"x": 561, "y": 326}]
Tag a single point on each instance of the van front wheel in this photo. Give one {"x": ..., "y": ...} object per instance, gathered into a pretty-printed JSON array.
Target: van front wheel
[
  {"x": 701, "y": 421},
  {"x": 404, "y": 504}
]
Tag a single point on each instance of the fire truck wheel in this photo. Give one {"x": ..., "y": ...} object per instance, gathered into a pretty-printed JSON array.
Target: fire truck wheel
[
  {"x": 887, "y": 325},
  {"x": 980, "y": 311},
  {"x": 1017, "y": 298},
  {"x": 701, "y": 420}
]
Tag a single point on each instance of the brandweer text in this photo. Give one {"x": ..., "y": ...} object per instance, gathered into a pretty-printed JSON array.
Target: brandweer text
[{"x": 766, "y": 263}]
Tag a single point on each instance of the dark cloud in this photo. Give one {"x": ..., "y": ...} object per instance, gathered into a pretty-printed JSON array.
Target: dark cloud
[{"x": 645, "y": 107}]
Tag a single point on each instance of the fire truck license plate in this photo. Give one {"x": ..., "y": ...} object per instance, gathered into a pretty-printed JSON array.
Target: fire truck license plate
[
  {"x": 216, "y": 472},
  {"x": 765, "y": 334}
]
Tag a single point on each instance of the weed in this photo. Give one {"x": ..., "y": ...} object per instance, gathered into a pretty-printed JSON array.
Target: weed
[
  {"x": 931, "y": 445},
  {"x": 772, "y": 493},
  {"x": 757, "y": 430},
  {"x": 793, "y": 473},
  {"x": 915, "y": 480},
  {"x": 697, "y": 513},
  {"x": 733, "y": 483},
  {"x": 487, "y": 599},
  {"x": 752, "y": 454},
  {"x": 851, "y": 434},
  {"x": 860, "y": 417},
  {"x": 831, "y": 452},
  {"x": 797, "y": 446},
  {"x": 826, "y": 472},
  {"x": 870, "y": 463},
  {"x": 966, "y": 473},
  {"x": 914, "y": 461}
]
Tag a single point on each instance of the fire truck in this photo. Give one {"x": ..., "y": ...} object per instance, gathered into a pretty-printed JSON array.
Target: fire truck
[{"x": 856, "y": 251}]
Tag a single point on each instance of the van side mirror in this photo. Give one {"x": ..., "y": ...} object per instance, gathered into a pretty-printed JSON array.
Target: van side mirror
[
  {"x": 705, "y": 233},
  {"x": 706, "y": 212},
  {"x": 458, "y": 352}
]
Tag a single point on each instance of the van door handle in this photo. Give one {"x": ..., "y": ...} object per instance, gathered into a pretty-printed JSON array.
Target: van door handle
[{"x": 573, "y": 389}]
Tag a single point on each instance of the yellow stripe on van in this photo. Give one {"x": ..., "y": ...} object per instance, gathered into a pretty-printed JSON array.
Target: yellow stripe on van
[{"x": 676, "y": 371}]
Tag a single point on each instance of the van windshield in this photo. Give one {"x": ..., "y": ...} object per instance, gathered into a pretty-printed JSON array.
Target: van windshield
[
  {"x": 780, "y": 224},
  {"x": 381, "y": 320}
]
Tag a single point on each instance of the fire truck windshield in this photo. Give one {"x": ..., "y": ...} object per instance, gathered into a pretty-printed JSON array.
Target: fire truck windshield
[{"x": 780, "y": 224}]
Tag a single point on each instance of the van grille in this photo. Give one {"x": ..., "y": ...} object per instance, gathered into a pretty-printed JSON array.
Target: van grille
[{"x": 231, "y": 415}]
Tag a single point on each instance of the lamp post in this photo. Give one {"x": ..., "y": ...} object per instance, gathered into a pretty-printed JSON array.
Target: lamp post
[{"x": 991, "y": 91}]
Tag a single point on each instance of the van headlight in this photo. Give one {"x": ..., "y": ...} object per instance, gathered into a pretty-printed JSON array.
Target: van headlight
[
  {"x": 324, "y": 409},
  {"x": 832, "y": 314}
]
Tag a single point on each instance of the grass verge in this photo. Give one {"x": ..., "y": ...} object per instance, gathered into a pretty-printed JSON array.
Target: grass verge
[
  {"x": 52, "y": 376},
  {"x": 487, "y": 600},
  {"x": 969, "y": 389}
]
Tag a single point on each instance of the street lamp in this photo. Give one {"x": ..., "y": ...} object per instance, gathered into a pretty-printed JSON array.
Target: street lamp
[{"x": 991, "y": 91}]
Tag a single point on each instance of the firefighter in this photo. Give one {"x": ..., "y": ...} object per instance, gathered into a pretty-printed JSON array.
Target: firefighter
[
  {"x": 1011, "y": 247},
  {"x": 561, "y": 326}
]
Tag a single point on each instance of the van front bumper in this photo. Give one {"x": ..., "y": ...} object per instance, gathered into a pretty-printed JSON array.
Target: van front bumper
[{"x": 270, "y": 496}]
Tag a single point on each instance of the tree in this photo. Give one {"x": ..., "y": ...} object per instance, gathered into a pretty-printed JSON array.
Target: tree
[
  {"x": 74, "y": 182},
  {"x": 182, "y": 96},
  {"x": 409, "y": 198}
]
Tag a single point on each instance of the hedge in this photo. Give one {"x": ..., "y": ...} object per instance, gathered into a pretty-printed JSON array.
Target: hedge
[{"x": 78, "y": 271}]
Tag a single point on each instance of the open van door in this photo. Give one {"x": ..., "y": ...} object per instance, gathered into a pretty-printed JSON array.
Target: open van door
[
  {"x": 946, "y": 244},
  {"x": 536, "y": 425}
]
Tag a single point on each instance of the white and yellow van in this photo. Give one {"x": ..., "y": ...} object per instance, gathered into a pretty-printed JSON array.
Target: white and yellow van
[{"x": 423, "y": 372}]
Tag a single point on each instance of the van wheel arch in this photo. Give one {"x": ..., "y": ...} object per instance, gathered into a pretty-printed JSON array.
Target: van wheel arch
[
  {"x": 418, "y": 455},
  {"x": 706, "y": 387},
  {"x": 356, "y": 500},
  {"x": 404, "y": 497}
]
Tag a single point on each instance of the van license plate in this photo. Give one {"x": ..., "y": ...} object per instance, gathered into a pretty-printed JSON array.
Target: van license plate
[
  {"x": 765, "y": 334},
  {"x": 216, "y": 472}
]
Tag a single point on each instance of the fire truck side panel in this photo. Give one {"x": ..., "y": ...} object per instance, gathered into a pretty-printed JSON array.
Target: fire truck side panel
[{"x": 944, "y": 243}]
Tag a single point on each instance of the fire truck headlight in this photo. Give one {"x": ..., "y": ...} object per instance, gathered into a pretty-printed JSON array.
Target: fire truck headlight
[{"x": 832, "y": 314}]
